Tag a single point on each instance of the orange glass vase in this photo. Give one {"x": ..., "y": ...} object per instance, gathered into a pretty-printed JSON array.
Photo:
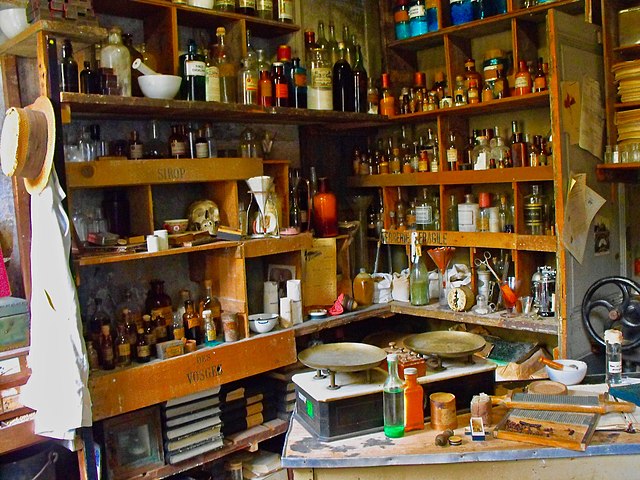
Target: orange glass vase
[{"x": 325, "y": 211}]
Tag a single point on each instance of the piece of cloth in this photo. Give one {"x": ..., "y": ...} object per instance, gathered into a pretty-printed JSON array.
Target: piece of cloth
[
  {"x": 57, "y": 388},
  {"x": 5, "y": 288}
]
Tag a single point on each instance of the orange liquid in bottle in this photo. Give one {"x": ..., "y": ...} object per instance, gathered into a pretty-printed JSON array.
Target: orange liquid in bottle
[{"x": 413, "y": 401}]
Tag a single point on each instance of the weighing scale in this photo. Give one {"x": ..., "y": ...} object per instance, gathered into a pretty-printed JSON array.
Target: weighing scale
[{"x": 348, "y": 400}]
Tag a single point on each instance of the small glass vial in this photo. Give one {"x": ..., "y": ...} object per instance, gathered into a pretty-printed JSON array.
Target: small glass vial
[{"x": 613, "y": 342}]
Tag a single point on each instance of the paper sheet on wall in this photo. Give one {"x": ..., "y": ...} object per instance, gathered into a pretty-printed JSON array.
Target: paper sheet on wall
[
  {"x": 571, "y": 107},
  {"x": 591, "y": 117},
  {"x": 582, "y": 205}
]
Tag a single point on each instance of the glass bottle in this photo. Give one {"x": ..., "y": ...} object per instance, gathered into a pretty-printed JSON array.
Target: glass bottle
[
  {"x": 332, "y": 46},
  {"x": 116, "y": 56},
  {"x": 177, "y": 143},
  {"x": 192, "y": 323},
  {"x": 193, "y": 73},
  {"x": 522, "y": 81},
  {"x": 363, "y": 288},
  {"x": 401, "y": 211},
  {"x": 123, "y": 348},
  {"x": 484, "y": 202},
  {"x": 424, "y": 212},
  {"x": 349, "y": 46},
  {"x": 411, "y": 216},
  {"x": 325, "y": 211},
  {"x": 320, "y": 88},
  {"x": 92, "y": 356},
  {"x": 149, "y": 327},
  {"x": 89, "y": 80},
  {"x": 613, "y": 344},
  {"x": 453, "y": 154},
  {"x": 505, "y": 217},
  {"x": 279, "y": 85},
  {"x": 131, "y": 330},
  {"x": 299, "y": 96},
  {"x": 534, "y": 212},
  {"x": 452, "y": 214},
  {"x": 540, "y": 78},
  {"x": 393, "y": 400},
  {"x": 387, "y": 100},
  {"x": 501, "y": 87},
  {"x": 210, "y": 332},
  {"x": 107, "y": 355},
  {"x": 68, "y": 69},
  {"x": 136, "y": 150},
  {"x": 360, "y": 83},
  {"x": 211, "y": 78},
  {"x": 500, "y": 153},
  {"x": 154, "y": 147},
  {"x": 401, "y": 19},
  {"x": 158, "y": 303},
  {"x": 413, "y": 401},
  {"x": 343, "y": 86},
  {"x": 211, "y": 303},
  {"x": 248, "y": 81},
  {"x": 98, "y": 319},
  {"x": 519, "y": 157},
  {"x": 321, "y": 39},
  {"x": 432, "y": 15},
  {"x": 372, "y": 97},
  {"x": 468, "y": 214},
  {"x": 264, "y": 9},
  {"x": 226, "y": 67},
  {"x": 417, "y": 18},
  {"x": 246, "y": 7},
  {"x": 285, "y": 11},
  {"x": 460, "y": 92},
  {"x": 143, "y": 350},
  {"x": 481, "y": 154},
  {"x": 224, "y": 5},
  {"x": 461, "y": 12}
]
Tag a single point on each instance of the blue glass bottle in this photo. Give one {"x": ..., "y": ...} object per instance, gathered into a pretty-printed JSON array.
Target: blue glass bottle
[
  {"x": 432, "y": 16},
  {"x": 401, "y": 19},
  {"x": 417, "y": 18},
  {"x": 461, "y": 12}
]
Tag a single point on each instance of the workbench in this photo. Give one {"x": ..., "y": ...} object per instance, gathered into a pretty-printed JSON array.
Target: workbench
[{"x": 415, "y": 456}]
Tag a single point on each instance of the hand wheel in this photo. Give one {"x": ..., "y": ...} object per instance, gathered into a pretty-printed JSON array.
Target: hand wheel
[{"x": 613, "y": 302}]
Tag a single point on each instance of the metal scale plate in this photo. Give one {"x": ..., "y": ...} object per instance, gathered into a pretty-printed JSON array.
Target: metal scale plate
[{"x": 445, "y": 344}]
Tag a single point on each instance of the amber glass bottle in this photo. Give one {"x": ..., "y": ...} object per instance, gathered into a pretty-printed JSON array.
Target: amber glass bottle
[
  {"x": 522, "y": 81},
  {"x": 387, "y": 103},
  {"x": 107, "y": 356},
  {"x": 123, "y": 348},
  {"x": 325, "y": 211},
  {"x": 211, "y": 303},
  {"x": 158, "y": 303},
  {"x": 363, "y": 288},
  {"x": 192, "y": 326},
  {"x": 413, "y": 401},
  {"x": 149, "y": 333},
  {"x": 143, "y": 351}
]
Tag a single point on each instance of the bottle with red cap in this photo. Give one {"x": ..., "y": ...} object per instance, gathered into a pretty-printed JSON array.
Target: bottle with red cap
[
  {"x": 284, "y": 56},
  {"x": 387, "y": 103},
  {"x": 522, "y": 82},
  {"x": 484, "y": 201}
]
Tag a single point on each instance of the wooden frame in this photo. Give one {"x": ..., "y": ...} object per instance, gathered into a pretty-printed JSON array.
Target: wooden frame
[{"x": 133, "y": 443}]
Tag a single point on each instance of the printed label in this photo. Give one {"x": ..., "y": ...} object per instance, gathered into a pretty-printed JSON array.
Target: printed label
[
  {"x": 135, "y": 151},
  {"x": 321, "y": 78},
  {"x": 144, "y": 351},
  {"x": 533, "y": 214},
  {"x": 124, "y": 349},
  {"x": 212, "y": 84},
  {"x": 521, "y": 82},
  {"x": 247, "y": 3},
  {"x": 178, "y": 148},
  {"x": 178, "y": 333},
  {"x": 202, "y": 150},
  {"x": 165, "y": 312},
  {"x": 285, "y": 9},
  {"x": 282, "y": 90},
  {"x": 196, "y": 68},
  {"x": 193, "y": 322},
  {"x": 417, "y": 11},
  {"x": 452, "y": 155},
  {"x": 615, "y": 367}
]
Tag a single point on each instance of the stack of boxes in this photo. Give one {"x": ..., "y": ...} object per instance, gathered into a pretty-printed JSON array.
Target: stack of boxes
[{"x": 80, "y": 11}]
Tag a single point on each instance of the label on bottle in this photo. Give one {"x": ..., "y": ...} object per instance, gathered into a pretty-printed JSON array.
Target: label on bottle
[
  {"x": 521, "y": 82},
  {"x": 540, "y": 84},
  {"x": 202, "y": 150},
  {"x": 107, "y": 355},
  {"x": 212, "y": 84},
  {"x": 135, "y": 151},
  {"x": 424, "y": 215},
  {"x": 285, "y": 10},
  {"x": 300, "y": 78},
  {"x": 614, "y": 367},
  {"x": 423, "y": 165},
  {"x": 196, "y": 68},
  {"x": 481, "y": 162},
  {"x": 144, "y": 351},
  {"x": 178, "y": 148},
  {"x": 401, "y": 15},
  {"x": 124, "y": 350},
  {"x": 161, "y": 331},
  {"x": 178, "y": 333},
  {"x": 533, "y": 214},
  {"x": 452, "y": 155},
  {"x": 247, "y": 4},
  {"x": 321, "y": 78},
  {"x": 150, "y": 338},
  {"x": 266, "y": 5},
  {"x": 165, "y": 312},
  {"x": 250, "y": 83},
  {"x": 416, "y": 12},
  {"x": 193, "y": 322},
  {"x": 282, "y": 90},
  {"x": 210, "y": 332}
]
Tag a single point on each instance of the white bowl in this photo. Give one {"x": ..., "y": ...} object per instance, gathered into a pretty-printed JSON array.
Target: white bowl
[
  {"x": 160, "y": 86},
  {"x": 568, "y": 376},
  {"x": 262, "y": 322},
  {"x": 13, "y": 21}
]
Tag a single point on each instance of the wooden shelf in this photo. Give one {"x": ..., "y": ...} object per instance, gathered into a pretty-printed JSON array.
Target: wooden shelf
[
  {"x": 622, "y": 106},
  {"x": 18, "y": 436},
  {"x": 110, "y": 173},
  {"x": 487, "y": 26},
  {"x": 618, "y": 172},
  {"x": 468, "y": 177},
  {"x": 261, "y": 247},
  {"x": 109, "y": 106},
  {"x": 123, "y": 390},
  {"x": 510, "y": 241},
  {"x": 318, "y": 324},
  {"x": 25, "y": 44},
  {"x": 248, "y": 439},
  {"x": 547, "y": 326},
  {"x": 194, "y": 16}
]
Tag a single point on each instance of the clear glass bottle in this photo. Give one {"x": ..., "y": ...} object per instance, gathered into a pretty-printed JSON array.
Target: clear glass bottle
[
  {"x": 481, "y": 154},
  {"x": 320, "y": 88},
  {"x": 500, "y": 153},
  {"x": 484, "y": 202},
  {"x": 116, "y": 56},
  {"x": 226, "y": 67},
  {"x": 393, "y": 400},
  {"x": 349, "y": 47},
  {"x": 424, "y": 212},
  {"x": 154, "y": 147},
  {"x": 211, "y": 78},
  {"x": 613, "y": 343},
  {"x": 212, "y": 304},
  {"x": 372, "y": 97},
  {"x": 534, "y": 212},
  {"x": 264, "y": 9},
  {"x": 401, "y": 211},
  {"x": 107, "y": 355},
  {"x": 460, "y": 92},
  {"x": 452, "y": 214},
  {"x": 248, "y": 81},
  {"x": 505, "y": 216},
  {"x": 333, "y": 52},
  {"x": 453, "y": 153}
]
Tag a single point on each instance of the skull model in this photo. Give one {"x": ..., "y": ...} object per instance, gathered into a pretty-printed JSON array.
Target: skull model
[{"x": 204, "y": 215}]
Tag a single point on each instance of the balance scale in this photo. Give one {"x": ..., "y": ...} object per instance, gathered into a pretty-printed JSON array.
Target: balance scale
[{"x": 343, "y": 404}]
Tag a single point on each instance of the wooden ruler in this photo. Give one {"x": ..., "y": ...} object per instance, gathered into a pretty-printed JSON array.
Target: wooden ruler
[{"x": 562, "y": 403}]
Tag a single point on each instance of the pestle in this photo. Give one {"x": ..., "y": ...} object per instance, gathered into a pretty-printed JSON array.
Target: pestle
[{"x": 142, "y": 68}]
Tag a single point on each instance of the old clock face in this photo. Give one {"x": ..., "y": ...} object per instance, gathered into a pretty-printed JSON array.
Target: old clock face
[{"x": 458, "y": 300}]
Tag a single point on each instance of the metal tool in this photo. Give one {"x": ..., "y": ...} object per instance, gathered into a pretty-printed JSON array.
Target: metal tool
[
  {"x": 562, "y": 403},
  {"x": 487, "y": 263}
]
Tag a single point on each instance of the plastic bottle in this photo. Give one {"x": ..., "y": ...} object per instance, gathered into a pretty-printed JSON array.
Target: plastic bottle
[
  {"x": 413, "y": 401},
  {"x": 393, "y": 400},
  {"x": 613, "y": 341}
]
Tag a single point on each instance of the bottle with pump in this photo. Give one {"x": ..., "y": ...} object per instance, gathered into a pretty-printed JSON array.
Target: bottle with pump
[{"x": 393, "y": 400}]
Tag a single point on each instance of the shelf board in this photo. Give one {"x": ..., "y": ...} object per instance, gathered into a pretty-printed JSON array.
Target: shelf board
[
  {"x": 246, "y": 440},
  {"x": 260, "y": 247},
  {"x": 468, "y": 177},
  {"x": 319, "y": 324},
  {"x": 618, "y": 172},
  {"x": 115, "y": 392},
  {"x": 110, "y": 106},
  {"x": 19, "y": 436},
  {"x": 547, "y": 326},
  {"x": 631, "y": 51},
  {"x": 194, "y": 16},
  {"x": 112, "y": 173},
  {"x": 531, "y": 100},
  {"x": 25, "y": 44},
  {"x": 509, "y": 241},
  {"x": 487, "y": 26},
  {"x": 622, "y": 106}
]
